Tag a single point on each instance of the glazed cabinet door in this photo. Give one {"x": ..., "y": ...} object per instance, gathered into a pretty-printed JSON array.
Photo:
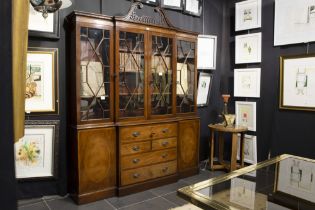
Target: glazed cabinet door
[
  {"x": 130, "y": 70},
  {"x": 188, "y": 144},
  {"x": 97, "y": 161},
  {"x": 186, "y": 77},
  {"x": 94, "y": 74}
]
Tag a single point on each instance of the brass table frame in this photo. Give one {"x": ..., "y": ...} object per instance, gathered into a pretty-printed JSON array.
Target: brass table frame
[{"x": 191, "y": 194}]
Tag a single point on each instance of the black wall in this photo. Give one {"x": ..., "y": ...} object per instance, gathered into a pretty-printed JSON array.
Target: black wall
[
  {"x": 7, "y": 175},
  {"x": 214, "y": 24}
]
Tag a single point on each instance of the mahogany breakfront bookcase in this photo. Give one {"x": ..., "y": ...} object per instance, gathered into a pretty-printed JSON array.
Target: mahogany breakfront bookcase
[{"x": 133, "y": 121}]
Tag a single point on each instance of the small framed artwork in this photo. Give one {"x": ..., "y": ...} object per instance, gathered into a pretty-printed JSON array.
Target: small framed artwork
[
  {"x": 248, "y": 48},
  {"x": 250, "y": 149},
  {"x": 36, "y": 154},
  {"x": 41, "y": 95},
  {"x": 193, "y": 7},
  {"x": 297, "y": 82},
  {"x": 243, "y": 193},
  {"x": 38, "y": 26},
  {"x": 247, "y": 82},
  {"x": 247, "y": 15},
  {"x": 172, "y": 4},
  {"x": 151, "y": 2},
  {"x": 294, "y": 22},
  {"x": 204, "y": 88},
  {"x": 207, "y": 52},
  {"x": 246, "y": 114}
]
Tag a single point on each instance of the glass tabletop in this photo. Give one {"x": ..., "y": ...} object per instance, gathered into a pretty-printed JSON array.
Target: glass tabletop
[{"x": 281, "y": 183}]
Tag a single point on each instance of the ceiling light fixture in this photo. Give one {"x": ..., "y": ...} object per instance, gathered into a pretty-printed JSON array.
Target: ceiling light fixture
[{"x": 49, "y": 6}]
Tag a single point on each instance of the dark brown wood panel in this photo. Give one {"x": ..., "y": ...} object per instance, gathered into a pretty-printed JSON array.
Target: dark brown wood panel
[
  {"x": 97, "y": 159},
  {"x": 188, "y": 144}
]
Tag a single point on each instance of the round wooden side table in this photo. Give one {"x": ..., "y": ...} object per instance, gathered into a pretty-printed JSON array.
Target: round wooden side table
[{"x": 221, "y": 129}]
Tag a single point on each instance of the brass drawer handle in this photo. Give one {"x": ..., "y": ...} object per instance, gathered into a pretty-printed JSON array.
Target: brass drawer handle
[
  {"x": 136, "y": 148},
  {"x": 136, "y": 175},
  {"x": 164, "y": 155},
  {"x": 165, "y": 143},
  {"x": 165, "y": 169},
  {"x": 136, "y": 134},
  {"x": 165, "y": 130},
  {"x": 136, "y": 160}
]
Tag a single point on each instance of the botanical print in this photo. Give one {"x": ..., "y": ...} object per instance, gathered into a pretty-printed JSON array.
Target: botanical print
[
  {"x": 30, "y": 151},
  {"x": 203, "y": 88},
  {"x": 248, "y": 48},
  {"x": 246, "y": 114},
  {"x": 298, "y": 82},
  {"x": 247, "y": 82},
  {"x": 34, "y": 86},
  {"x": 247, "y": 15},
  {"x": 250, "y": 149},
  {"x": 299, "y": 27},
  {"x": 296, "y": 177},
  {"x": 243, "y": 192}
]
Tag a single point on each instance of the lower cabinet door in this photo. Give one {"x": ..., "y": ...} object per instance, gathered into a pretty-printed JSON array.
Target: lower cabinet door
[
  {"x": 188, "y": 145},
  {"x": 96, "y": 159}
]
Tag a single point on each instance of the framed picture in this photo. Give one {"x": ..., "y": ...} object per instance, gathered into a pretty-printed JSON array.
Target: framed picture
[
  {"x": 297, "y": 82},
  {"x": 193, "y": 7},
  {"x": 248, "y": 48},
  {"x": 172, "y": 4},
  {"x": 296, "y": 178},
  {"x": 38, "y": 26},
  {"x": 247, "y": 15},
  {"x": 36, "y": 154},
  {"x": 41, "y": 96},
  {"x": 247, "y": 82},
  {"x": 207, "y": 52},
  {"x": 299, "y": 26},
  {"x": 242, "y": 193},
  {"x": 246, "y": 114},
  {"x": 204, "y": 88},
  {"x": 250, "y": 149}
]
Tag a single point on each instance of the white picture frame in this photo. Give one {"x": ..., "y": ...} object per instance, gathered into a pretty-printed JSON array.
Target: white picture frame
[
  {"x": 247, "y": 15},
  {"x": 295, "y": 177},
  {"x": 204, "y": 89},
  {"x": 248, "y": 48},
  {"x": 247, "y": 82},
  {"x": 297, "y": 82},
  {"x": 246, "y": 114},
  {"x": 250, "y": 149},
  {"x": 207, "y": 52},
  {"x": 36, "y": 153},
  {"x": 294, "y": 22}
]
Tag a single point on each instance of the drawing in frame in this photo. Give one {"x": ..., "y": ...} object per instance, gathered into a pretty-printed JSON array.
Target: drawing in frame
[
  {"x": 207, "y": 50},
  {"x": 36, "y": 154},
  {"x": 193, "y": 7},
  {"x": 41, "y": 95},
  {"x": 250, "y": 149},
  {"x": 247, "y": 82},
  {"x": 38, "y": 26},
  {"x": 247, "y": 15},
  {"x": 243, "y": 193},
  {"x": 299, "y": 26},
  {"x": 172, "y": 4},
  {"x": 296, "y": 178},
  {"x": 297, "y": 82},
  {"x": 246, "y": 114},
  {"x": 204, "y": 89},
  {"x": 248, "y": 48}
]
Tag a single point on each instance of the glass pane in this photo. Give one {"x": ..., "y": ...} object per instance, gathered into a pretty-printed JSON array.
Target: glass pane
[
  {"x": 161, "y": 76},
  {"x": 185, "y": 84},
  {"x": 131, "y": 74},
  {"x": 95, "y": 74}
]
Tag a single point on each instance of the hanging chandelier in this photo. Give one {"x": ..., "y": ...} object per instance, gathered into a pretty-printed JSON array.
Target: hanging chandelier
[{"x": 49, "y": 6}]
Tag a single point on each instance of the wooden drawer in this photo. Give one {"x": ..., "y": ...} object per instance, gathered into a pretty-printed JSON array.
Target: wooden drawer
[
  {"x": 135, "y": 133},
  {"x": 164, "y": 130},
  {"x": 164, "y": 143},
  {"x": 135, "y": 161},
  {"x": 134, "y": 148},
  {"x": 149, "y": 172}
]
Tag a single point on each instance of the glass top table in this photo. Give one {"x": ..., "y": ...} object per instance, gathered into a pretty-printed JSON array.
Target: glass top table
[{"x": 281, "y": 183}]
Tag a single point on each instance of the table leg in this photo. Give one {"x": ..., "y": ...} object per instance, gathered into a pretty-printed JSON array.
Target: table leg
[
  {"x": 242, "y": 149},
  {"x": 211, "y": 150},
  {"x": 233, "y": 152},
  {"x": 221, "y": 148}
]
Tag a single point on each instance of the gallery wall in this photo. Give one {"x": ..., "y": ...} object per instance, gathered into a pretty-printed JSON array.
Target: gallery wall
[
  {"x": 278, "y": 131},
  {"x": 215, "y": 23}
]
